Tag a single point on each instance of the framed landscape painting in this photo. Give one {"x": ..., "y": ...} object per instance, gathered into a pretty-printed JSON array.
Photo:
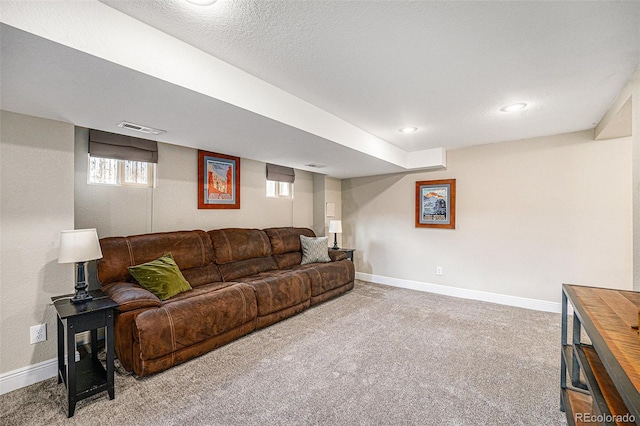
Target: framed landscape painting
[
  {"x": 218, "y": 181},
  {"x": 436, "y": 204}
]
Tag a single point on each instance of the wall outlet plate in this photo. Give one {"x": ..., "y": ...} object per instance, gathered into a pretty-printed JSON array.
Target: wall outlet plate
[
  {"x": 38, "y": 333},
  {"x": 438, "y": 270}
]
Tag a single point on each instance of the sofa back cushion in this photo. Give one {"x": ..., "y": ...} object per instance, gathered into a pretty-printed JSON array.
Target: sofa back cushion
[
  {"x": 191, "y": 250},
  {"x": 241, "y": 252},
  {"x": 285, "y": 245}
]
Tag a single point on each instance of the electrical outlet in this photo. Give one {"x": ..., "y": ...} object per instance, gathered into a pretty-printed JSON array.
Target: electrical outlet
[
  {"x": 38, "y": 333},
  {"x": 439, "y": 270}
]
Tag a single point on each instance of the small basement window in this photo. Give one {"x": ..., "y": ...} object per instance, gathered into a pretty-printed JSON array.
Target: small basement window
[
  {"x": 280, "y": 181},
  {"x": 121, "y": 160},
  {"x": 109, "y": 171},
  {"x": 279, "y": 189}
]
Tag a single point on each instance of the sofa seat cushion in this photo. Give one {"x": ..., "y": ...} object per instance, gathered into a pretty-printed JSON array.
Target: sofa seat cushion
[
  {"x": 203, "y": 275},
  {"x": 244, "y": 268},
  {"x": 288, "y": 260},
  {"x": 189, "y": 319},
  {"x": 327, "y": 276},
  {"x": 198, "y": 291},
  {"x": 278, "y": 290}
]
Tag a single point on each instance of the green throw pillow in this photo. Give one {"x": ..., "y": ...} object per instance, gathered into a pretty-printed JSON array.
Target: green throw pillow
[
  {"x": 161, "y": 277},
  {"x": 314, "y": 250}
]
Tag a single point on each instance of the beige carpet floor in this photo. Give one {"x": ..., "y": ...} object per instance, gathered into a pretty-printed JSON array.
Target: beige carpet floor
[{"x": 376, "y": 356}]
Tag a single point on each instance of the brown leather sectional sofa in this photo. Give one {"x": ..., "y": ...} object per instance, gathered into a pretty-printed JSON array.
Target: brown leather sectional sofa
[{"x": 242, "y": 280}]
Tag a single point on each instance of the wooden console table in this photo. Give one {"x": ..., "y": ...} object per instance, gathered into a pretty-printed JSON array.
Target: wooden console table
[{"x": 600, "y": 375}]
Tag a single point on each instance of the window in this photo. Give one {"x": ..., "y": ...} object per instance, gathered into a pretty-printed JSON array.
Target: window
[
  {"x": 109, "y": 171},
  {"x": 137, "y": 173},
  {"x": 280, "y": 181},
  {"x": 121, "y": 160},
  {"x": 279, "y": 189}
]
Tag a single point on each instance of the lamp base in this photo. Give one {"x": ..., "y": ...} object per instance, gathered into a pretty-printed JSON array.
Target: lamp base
[
  {"x": 82, "y": 295},
  {"x": 335, "y": 242}
]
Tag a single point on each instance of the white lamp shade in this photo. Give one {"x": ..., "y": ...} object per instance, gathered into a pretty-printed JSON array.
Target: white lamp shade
[
  {"x": 335, "y": 226},
  {"x": 79, "y": 245}
]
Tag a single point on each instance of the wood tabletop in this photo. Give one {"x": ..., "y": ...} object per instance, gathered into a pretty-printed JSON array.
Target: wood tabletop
[{"x": 607, "y": 317}]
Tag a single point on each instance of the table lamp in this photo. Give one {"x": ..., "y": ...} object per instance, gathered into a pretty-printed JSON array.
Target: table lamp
[
  {"x": 79, "y": 246},
  {"x": 335, "y": 226}
]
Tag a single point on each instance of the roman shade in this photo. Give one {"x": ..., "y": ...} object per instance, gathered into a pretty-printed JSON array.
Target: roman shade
[
  {"x": 121, "y": 147},
  {"x": 280, "y": 173}
]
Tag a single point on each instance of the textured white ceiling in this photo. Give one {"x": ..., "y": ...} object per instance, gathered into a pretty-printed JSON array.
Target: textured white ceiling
[
  {"x": 445, "y": 67},
  {"x": 325, "y": 82}
]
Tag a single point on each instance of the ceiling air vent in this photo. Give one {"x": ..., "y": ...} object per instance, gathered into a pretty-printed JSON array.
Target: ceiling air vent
[
  {"x": 316, "y": 165},
  {"x": 139, "y": 128}
]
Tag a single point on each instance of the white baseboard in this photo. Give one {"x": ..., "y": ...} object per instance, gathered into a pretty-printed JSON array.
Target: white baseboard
[
  {"x": 28, "y": 375},
  {"x": 502, "y": 299}
]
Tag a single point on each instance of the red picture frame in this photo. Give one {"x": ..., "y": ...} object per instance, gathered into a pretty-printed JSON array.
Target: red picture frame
[{"x": 218, "y": 181}]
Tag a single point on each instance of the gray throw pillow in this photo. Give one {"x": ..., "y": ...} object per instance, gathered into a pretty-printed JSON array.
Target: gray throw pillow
[{"x": 314, "y": 250}]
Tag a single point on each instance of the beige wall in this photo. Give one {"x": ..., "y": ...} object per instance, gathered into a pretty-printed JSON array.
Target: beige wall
[
  {"x": 615, "y": 121},
  {"x": 36, "y": 203},
  {"x": 530, "y": 215},
  {"x": 106, "y": 208},
  {"x": 319, "y": 208},
  {"x": 326, "y": 190},
  {"x": 333, "y": 194},
  {"x": 173, "y": 205}
]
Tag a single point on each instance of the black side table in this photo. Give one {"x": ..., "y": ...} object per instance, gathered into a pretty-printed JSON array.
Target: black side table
[
  {"x": 86, "y": 377},
  {"x": 347, "y": 251}
]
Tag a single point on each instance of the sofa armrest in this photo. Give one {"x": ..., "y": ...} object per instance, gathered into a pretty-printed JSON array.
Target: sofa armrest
[
  {"x": 130, "y": 296},
  {"x": 337, "y": 255}
]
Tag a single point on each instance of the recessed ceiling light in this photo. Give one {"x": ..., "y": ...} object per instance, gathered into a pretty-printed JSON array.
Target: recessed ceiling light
[
  {"x": 202, "y": 2},
  {"x": 408, "y": 129},
  {"x": 514, "y": 107}
]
